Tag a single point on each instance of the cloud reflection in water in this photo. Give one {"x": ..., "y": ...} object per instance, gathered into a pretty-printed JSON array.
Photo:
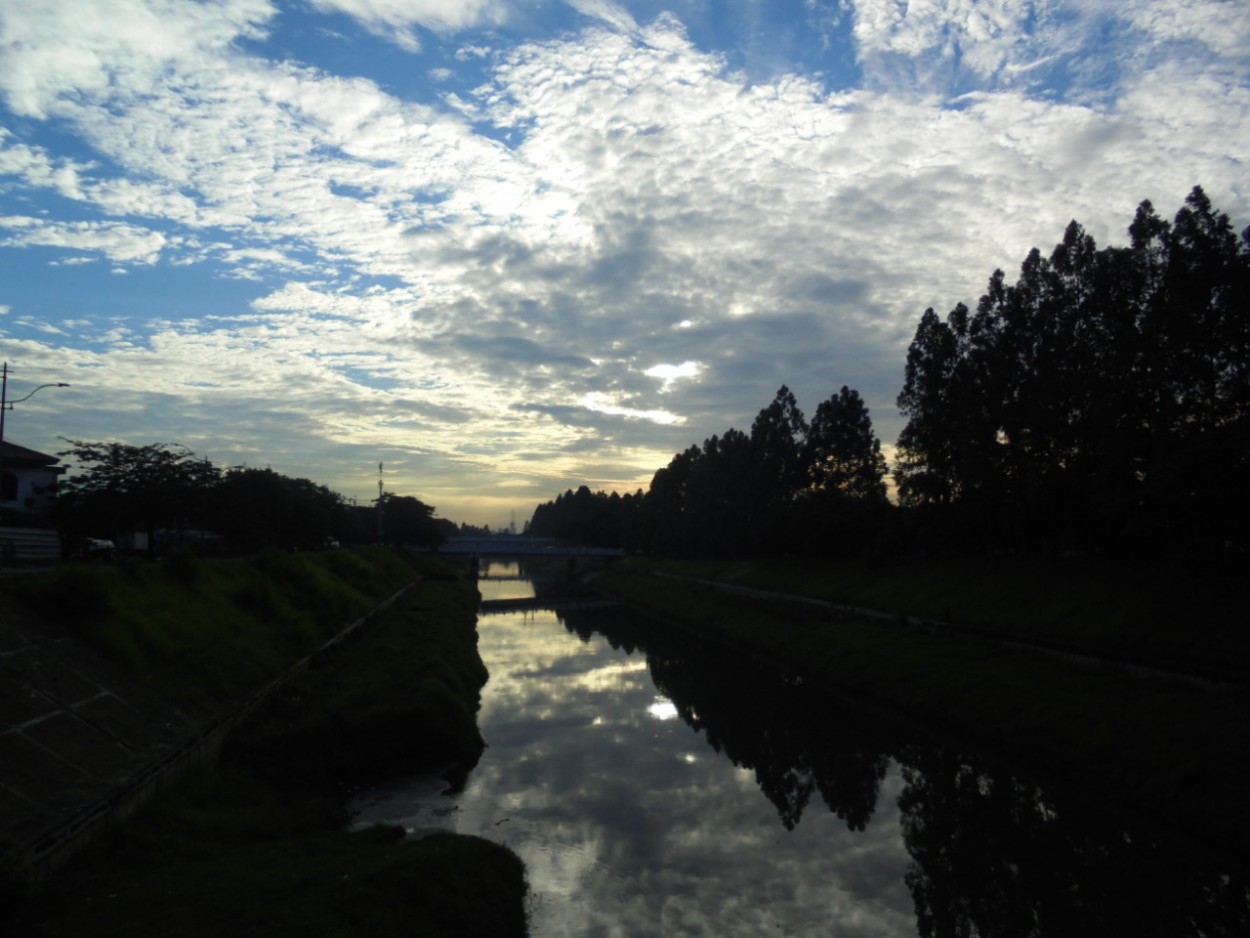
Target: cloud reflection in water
[{"x": 629, "y": 823}]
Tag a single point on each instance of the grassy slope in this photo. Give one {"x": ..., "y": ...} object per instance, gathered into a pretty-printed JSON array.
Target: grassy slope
[
  {"x": 1182, "y": 616},
  {"x": 402, "y": 696},
  {"x": 1162, "y": 748},
  {"x": 202, "y": 633},
  {"x": 254, "y": 847}
]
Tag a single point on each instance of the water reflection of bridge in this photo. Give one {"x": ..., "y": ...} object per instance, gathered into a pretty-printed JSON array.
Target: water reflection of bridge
[{"x": 506, "y": 545}]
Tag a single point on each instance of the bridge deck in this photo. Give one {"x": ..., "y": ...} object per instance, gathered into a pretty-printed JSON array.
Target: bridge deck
[{"x": 506, "y": 546}]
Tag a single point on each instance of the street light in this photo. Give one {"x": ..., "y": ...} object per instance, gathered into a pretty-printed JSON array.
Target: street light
[{"x": 6, "y": 405}]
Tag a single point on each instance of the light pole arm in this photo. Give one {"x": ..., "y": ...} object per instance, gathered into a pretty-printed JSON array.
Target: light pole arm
[{"x": 8, "y": 405}]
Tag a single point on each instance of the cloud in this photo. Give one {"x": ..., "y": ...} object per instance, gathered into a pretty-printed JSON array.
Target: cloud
[
  {"x": 670, "y": 373},
  {"x": 508, "y": 275},
  {"x": 394, "y": 19},
  {"x": 605, "y": 11},
  {"x": 117, "y": 242},
  {"x": 62, "y": 47}
]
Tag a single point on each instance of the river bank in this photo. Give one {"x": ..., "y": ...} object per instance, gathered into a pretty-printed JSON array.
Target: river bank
[
  {"x": 255, "y": 843},
  {"x": 1158, "y": 748}
]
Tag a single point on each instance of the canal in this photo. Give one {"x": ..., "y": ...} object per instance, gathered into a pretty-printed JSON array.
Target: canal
[{"x": 657, "y": 786}]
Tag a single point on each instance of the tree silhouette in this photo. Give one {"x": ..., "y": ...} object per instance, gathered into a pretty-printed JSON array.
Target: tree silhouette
[
  {"x": 1101, "y": 400},
  {"x": 843, "y": 453},
  {"x": 122, "y": 488},
  {"x": 257, "y": 508},
  {"x": 409, "y": 522}
]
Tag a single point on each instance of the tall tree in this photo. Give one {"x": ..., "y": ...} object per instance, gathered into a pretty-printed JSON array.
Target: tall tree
[
  {"x": 843, "y": 453},
  {"x": 778, "y": 469},
  {"x": 1105, "y": 394},
  {"x": 777, "y": 437},
  {"x": 929, "y": 447},
  {"x": 725, "y": 507},
  {"x": 665, "y": 506}
]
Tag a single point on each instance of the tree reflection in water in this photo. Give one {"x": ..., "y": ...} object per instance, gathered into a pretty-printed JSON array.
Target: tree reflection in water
[{"x": 992, "y": 853}]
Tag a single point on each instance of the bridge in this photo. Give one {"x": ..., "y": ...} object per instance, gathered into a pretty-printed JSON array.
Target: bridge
[{"x": 510, "y": 545}]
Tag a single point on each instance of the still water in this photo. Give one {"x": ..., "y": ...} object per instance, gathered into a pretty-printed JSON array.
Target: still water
[{"x": 656, "y": 786}]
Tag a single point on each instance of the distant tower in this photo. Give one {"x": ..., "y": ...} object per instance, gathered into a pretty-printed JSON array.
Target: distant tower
[{"x": 512, "y": 523}]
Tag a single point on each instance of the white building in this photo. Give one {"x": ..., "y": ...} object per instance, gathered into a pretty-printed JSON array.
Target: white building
[{"x": 27, "y": 479}]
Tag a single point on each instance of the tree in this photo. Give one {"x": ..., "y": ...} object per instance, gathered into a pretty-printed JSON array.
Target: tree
[
  {"x": 777, "y": 472},
  {"x": 1105, "y": 396},
  {"x": 724, "y": 503},
  {"x": 777, "y": 438},
  {"x": 407, "y": 522},
  {"x": 664, "y": 507},
  {"x": 122, "y": 488},
  {"x": 257, "y": 508},
  {"x": 928, "y": 447},
  {"x": 843, "y": 453}
]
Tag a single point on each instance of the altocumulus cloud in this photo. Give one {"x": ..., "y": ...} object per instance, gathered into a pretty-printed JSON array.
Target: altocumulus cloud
[{"x": 597, "y": 236}]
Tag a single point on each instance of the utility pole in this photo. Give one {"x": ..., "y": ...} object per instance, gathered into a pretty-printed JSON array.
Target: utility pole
[{"x": 379, "y": 503}]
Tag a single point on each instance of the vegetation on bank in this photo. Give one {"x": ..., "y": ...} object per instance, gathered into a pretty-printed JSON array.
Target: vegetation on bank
[
  {"x": 162, "y": 495},
  {"x": 1172, "y": 615},
  {"x": 1156, "y": 747},
  {"x": 256, "y": 844},
  {"x": 203, "y": 632},
  {"x": 402, "y": 697}
]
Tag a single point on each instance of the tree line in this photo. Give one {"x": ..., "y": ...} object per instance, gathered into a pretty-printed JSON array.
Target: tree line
[
  {"x": 1101, "y": 403},
  {"x": 173, "y": 497},
  {"x": 783, "y": 486}
]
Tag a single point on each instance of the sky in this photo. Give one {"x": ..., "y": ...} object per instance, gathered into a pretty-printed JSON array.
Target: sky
[{"x": 510, "y": 247}]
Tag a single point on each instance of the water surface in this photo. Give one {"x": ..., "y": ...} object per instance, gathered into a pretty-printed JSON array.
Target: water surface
[{"x": 653, "y": 785}]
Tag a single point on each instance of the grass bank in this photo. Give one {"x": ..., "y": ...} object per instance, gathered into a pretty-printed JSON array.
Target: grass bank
[
  {"x": 203, "y": 632},
  {"x": 255, "y": 845},
  {"x": 1163, "y": 749},
  {"x": 1186, "y": 616},
  {"x": 401, "y": 697}
]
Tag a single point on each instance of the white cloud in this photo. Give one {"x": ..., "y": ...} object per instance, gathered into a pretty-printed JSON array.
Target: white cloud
[
  {"x": 117, "y": 242},
  {"x": 394, "y": 19},
  {"x": 671, "y": 373},
  {"x": 606, "y": 11},
  {"x": 1222, "y": 27},
  {"x": 58, "y": 46},
  {"x": 604, "y": 404}
]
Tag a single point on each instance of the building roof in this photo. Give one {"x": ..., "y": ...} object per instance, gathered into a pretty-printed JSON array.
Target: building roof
[{"x": 15, "y": 456}]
